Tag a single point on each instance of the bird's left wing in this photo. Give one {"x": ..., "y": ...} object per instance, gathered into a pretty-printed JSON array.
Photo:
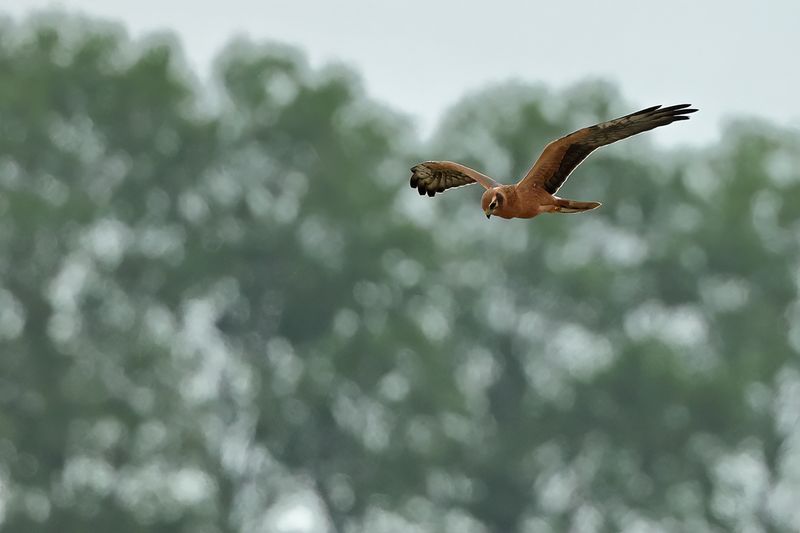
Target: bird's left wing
[
  {"x": 561, "y": 156},
  {"x": 438, "y": 176}
]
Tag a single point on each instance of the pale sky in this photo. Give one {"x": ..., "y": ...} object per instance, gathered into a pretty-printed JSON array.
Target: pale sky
[{"x": 727, "y": 57}]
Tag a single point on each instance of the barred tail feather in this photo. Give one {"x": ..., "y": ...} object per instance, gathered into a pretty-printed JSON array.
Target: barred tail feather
[{"x": 573, "y": 206}]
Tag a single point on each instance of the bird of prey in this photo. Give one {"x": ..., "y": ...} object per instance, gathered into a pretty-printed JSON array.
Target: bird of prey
[{"x": 535, "y": 193}]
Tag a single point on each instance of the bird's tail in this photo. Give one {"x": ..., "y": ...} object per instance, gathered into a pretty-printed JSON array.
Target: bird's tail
[{"x": 573, "y": 206}]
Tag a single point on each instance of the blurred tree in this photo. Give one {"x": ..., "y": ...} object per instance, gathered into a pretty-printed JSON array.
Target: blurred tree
[
  {"x": 224, "y": 310},
  {"x": 96, "y": 145}
]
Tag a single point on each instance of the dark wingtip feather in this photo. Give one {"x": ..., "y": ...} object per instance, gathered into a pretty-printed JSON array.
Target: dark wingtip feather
[
  {"x": 672, "y": 113},
  {"x": 680, "y": 109},
  {"x": 674, "y": 107},
  {"x": 431, "y": 193},
  {"x": 648, "y": 110},
  {"x": 421, "y": 190},
  {"x": 414, "y": 181}
]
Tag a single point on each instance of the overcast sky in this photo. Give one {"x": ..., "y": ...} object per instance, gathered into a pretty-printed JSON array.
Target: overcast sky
[{"x": 728, "y": 57}]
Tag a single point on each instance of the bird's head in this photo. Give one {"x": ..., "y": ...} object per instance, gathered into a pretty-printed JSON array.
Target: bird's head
[{"x": 492, "y": 200}]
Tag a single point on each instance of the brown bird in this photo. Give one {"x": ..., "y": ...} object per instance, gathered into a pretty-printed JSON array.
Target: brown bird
[{"x": 535, "y": 193}]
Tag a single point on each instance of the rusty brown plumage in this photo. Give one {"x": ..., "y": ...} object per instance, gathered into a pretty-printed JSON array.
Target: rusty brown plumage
[{"x": 535, "y": 193}]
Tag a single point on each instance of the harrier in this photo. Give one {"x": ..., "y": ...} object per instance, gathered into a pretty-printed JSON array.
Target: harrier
[{"x": 535, "y": 193}]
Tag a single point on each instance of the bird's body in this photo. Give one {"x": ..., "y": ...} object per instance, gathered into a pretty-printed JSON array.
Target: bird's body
[
  {"x": 535, "y": 193},
  {"x": 527, "y": 202}
]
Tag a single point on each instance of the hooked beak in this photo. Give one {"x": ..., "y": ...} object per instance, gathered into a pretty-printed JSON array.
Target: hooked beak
[{"x": 488, "y": 213}]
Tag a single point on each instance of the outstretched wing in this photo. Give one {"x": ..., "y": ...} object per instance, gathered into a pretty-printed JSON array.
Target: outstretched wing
[
  {"x": 561, "y": 156},
  {"x": 438, "y": 176}
]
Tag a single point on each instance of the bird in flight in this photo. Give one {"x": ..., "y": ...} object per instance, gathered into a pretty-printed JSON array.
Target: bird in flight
[{"x": 535, "y": 193}]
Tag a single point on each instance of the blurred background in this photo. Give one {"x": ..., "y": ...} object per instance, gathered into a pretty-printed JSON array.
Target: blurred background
[{"x": 222, "y": 309}]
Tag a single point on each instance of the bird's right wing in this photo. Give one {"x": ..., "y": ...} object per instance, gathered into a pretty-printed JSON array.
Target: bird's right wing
[{"x": 437, "y": 176}]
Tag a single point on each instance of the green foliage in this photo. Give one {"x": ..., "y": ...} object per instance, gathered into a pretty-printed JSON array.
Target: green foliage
[{"x": 215, "y": 317}]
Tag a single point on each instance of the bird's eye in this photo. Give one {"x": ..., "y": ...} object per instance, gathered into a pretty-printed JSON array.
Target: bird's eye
[{"x": 492, "y": 205}]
